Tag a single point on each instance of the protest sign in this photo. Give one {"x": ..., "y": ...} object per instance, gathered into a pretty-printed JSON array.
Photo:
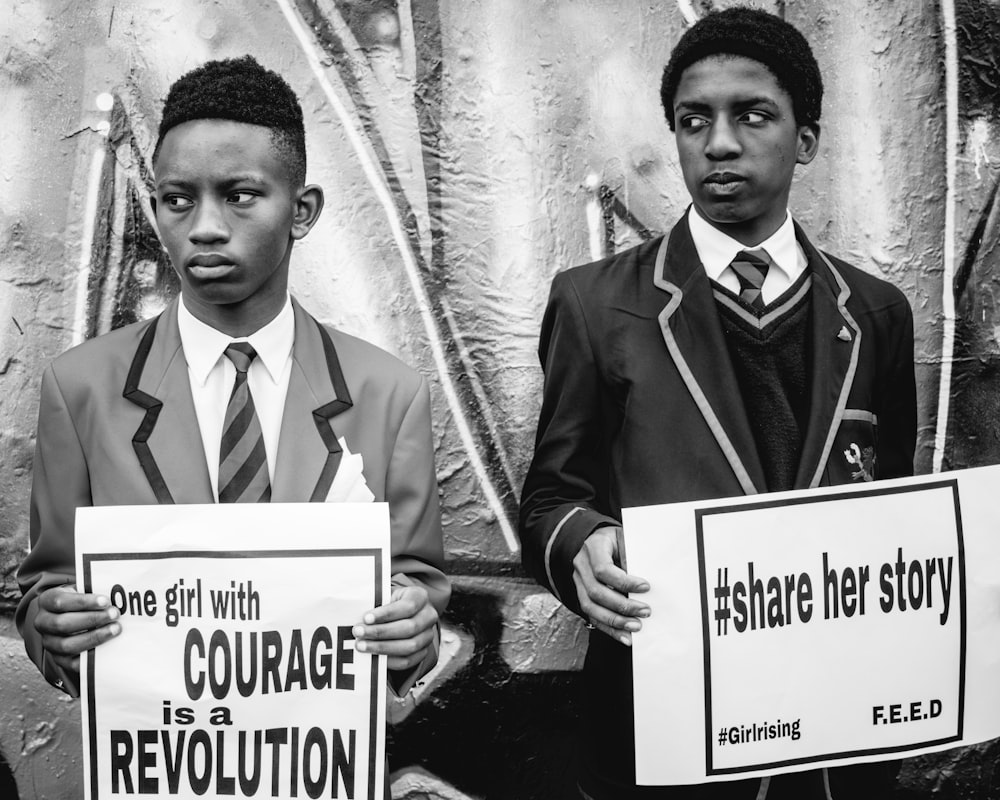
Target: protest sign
[
  {"x": 235, "y": 673},
  {"x": 803, "y": 629}
]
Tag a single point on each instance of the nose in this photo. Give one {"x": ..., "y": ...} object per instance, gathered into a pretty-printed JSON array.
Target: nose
[
  {"x": 723, "y": 141},
  {"x": 209, "y": 223}
]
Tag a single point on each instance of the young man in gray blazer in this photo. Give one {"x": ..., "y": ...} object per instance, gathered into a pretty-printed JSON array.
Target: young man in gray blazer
[{"x": 148, "y": 413}]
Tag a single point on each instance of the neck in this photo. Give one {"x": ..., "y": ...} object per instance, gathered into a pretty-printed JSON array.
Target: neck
[
  {"x": 237, "y": 320},
  {"x": 752, "y": 232}
]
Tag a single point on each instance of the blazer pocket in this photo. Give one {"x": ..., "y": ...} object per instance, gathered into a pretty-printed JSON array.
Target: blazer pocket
[{"x": 349, "y": 484}]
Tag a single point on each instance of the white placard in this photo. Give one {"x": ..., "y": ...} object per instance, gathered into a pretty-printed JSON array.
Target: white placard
[
  {"x": 235, "y": 673},
  {"x": 821, "y": 628}
]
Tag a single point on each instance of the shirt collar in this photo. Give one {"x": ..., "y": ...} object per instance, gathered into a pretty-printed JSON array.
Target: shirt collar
[
  {"x": 717, "y": 250},
  {"x": 204, "y": 345}
]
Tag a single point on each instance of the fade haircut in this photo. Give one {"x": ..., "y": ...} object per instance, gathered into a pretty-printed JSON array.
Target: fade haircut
[
  {"x": 756, "y": 35},
  {"x": 241, "y": 90}
]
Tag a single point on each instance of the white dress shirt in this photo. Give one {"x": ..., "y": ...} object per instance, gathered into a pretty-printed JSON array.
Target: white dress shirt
[
  {"x": 212, "y": 376},
  {"x": 717, "y": 250}
]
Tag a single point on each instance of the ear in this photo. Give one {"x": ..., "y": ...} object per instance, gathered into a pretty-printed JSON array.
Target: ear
[
  {"x": 808, "y": 144},
  {"x": 308, "y": 206}
]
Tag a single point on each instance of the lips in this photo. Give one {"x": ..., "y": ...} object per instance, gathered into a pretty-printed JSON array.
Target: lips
[
  {"x": 722, "y": 184},
  {"x": 209, "y": 260},
  {"x": 206, "y": 266},
  {"x": 723, "y": 178}
]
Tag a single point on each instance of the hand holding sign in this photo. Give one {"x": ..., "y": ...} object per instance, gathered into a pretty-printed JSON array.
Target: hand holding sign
[
  {"x": 72, "y": 622},
  {"x": 602, "y": 587},
  {"x": 403, "y": 629}
]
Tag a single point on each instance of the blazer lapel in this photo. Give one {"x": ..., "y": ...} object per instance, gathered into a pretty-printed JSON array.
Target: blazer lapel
[
  {"x": 168, "y": 441},
  {"x": 308, "y": 451},
  {"x": 695, "y": 341},
  {"x": 836, "y": 344}
]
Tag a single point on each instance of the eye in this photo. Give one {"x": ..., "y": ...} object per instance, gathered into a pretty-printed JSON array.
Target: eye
[
  {"x": 178, "y": 202},
  {"x": 693, "y": 122},
  {"x": 755, "y": 117},
  {"x": 241, "y": 198}
]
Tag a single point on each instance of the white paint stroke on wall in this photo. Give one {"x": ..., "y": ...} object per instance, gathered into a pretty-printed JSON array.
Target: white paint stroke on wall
[
  {"x": 595, "y": 217},
  {"x": 87, "y": 243},
  {"x": 978, "y": 138},
  {"x": 948, "y": 248},
  {"x": 687, "y": 11}
]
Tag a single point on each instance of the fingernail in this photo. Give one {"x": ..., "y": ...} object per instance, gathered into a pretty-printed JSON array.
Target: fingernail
[
  {"x": 642, "y": 612},
  {"x": 115, "y": 629},
  {"x": 361, "y": 645},
  {"x": 102, "y": 601},
  {"x": 625, "y": 639},
  {"x": 114, "y": 613},
  {"x": 369, "y": 619},
  {"x": 358, "y": 631},
  {"x": 632, "y": 625},
  {"x": 642, "y": 587}
]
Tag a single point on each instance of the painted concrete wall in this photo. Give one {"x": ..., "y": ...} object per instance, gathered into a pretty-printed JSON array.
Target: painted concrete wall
[{"x": 470, "y": 149}]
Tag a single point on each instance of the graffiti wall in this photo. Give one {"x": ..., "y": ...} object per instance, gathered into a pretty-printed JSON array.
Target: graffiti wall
[{"x": 471, "y": 149}]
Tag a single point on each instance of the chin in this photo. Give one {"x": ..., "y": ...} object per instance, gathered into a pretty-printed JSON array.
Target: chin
[
  {"x": 223, "y": 297},
  {"x": 724, "y": 215}
]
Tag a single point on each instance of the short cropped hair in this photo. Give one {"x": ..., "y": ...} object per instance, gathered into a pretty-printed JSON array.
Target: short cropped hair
[
  {"x": 241, "y": 90},
  {"x": 756, "y": 35}
]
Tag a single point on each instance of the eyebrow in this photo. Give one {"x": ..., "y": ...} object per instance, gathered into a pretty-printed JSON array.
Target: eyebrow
[
  {"x": 229, "y": 182},
  {"x": 742, "y": 102}
]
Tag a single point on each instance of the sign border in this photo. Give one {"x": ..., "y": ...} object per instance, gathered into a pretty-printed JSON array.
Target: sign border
[
  {"x": 702, "y": 513},
  {"x": 355, "y": 552}
]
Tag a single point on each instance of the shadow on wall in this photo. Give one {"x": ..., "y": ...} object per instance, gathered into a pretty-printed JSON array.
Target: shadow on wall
[
  {"x": 8, "y": 788},
  {"x": 971, "y": 773},
  {"x": 510, "y": 738}
]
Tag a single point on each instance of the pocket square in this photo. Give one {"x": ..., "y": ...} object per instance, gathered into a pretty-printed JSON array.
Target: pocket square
[{"x": 349, "y": 484}]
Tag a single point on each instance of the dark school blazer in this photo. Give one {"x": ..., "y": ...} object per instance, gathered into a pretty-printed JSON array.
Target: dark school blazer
[
  {"x": 117, "y": 426},
  {"x": 641, "y": 406}
]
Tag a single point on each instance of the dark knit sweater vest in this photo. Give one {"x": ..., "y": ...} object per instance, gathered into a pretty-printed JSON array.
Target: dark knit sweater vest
[{"x": 770, "y": 350}]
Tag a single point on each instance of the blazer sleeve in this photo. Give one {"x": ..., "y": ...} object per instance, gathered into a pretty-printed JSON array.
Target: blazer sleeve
[
  {"x": 60, "y": 484},
  {"x": 567, "y": 483},
  {"x": 412, "y": 493},
  {"x": 897, "y": 414}
]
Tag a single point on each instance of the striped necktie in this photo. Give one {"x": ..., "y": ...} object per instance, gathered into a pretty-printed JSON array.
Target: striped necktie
[
  {"x": 751, "y": 268},
  {"x": 243, "y": 474}
]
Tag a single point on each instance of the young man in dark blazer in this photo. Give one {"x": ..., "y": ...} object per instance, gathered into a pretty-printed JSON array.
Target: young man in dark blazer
[
  {"x": 730, "y": 357},
  {"x": 234, "y": 393}
]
